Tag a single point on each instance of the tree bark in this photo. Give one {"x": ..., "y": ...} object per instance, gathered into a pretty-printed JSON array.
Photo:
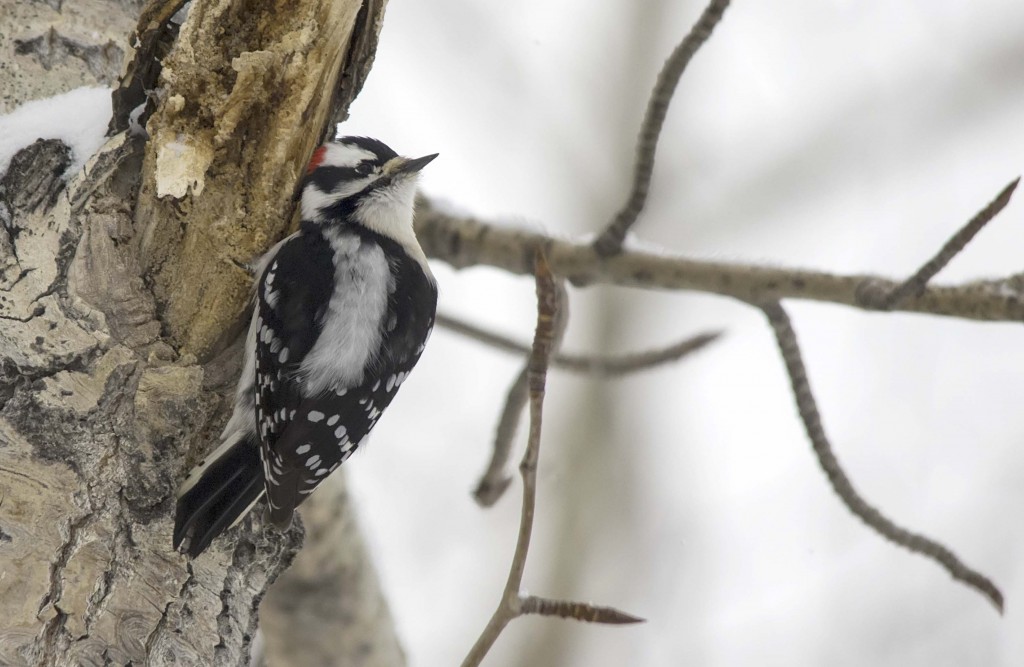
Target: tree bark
[{"x": 121, "y": 290}]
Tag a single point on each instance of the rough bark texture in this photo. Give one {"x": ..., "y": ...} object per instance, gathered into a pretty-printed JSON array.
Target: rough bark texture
[
  {"x": 50, "y": 47},
  {"x": 95, "y": 408},
  {"x": 101, "y": 411}
]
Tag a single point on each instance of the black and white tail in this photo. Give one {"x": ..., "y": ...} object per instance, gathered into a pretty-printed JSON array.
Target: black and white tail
[{"x": 218, "y": 493}]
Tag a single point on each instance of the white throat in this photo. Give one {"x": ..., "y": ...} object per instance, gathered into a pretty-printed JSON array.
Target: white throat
[{"x": 389, "y": 212}]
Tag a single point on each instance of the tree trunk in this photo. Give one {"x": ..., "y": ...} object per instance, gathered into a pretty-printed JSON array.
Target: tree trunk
[{"x": 121, "y": 290}]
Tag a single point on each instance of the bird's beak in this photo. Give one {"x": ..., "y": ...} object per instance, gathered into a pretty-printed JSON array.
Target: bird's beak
[{"x": 410, "y": 166}]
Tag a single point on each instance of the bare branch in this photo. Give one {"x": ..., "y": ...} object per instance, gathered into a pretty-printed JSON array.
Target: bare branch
[
  {"x": 610, "y": 366},
  {"x": 610, "y": 241},
  {"x": 841, "y": 484},
  {"x": 463, "y": 241},
  {"x": 915, "y": 285},
  {"x": 543, "y": 343},
  {"x": 578, "y": 611},
  {"x": 494, "y": 481},
  {"x": 512, "y": 602}
]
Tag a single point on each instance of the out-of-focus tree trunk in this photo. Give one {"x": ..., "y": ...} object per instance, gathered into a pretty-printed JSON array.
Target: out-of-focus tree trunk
[
  {"x": 120, "y": 289},
  {"x": 331, "y": 585}
]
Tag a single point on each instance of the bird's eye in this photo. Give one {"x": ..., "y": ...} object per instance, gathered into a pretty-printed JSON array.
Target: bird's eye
[{"x": 364, "y": 168}]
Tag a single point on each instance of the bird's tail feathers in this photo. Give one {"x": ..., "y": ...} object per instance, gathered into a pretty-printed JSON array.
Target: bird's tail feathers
[{"x": 217, "y": 494}]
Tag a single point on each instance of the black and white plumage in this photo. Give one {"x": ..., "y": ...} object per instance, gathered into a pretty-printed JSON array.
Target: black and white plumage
[{"x": 343, "y": 309}]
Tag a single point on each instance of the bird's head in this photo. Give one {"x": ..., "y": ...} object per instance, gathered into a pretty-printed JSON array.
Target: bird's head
[{"x": 361, "y": 180}]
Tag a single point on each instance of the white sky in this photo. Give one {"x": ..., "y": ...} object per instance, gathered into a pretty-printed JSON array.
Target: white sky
[{"x": 848, "y": 136}]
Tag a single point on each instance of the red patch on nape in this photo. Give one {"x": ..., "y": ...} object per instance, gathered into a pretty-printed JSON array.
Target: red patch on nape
[{"x": 317, "y": 159}]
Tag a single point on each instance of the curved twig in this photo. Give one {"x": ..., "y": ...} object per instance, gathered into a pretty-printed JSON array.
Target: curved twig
[
  {"x": 610, "y": 240},
  {"x": 841, "y": 484},
  {"x": 494, "y": 481}
]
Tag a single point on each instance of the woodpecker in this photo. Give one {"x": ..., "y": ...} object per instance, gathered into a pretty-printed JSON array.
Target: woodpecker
[{"x": 343, "y": 309}]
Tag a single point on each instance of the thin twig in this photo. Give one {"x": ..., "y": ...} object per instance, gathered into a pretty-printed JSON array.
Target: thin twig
[
  {"x": 610, "y": 240},
  {"x": 578, "y": 611},
  {"x": 543, "y": 342},
  {"x": 463, "y": 241},
  {"x": 841, "y": 484},
  {"x": 606, "y": 366},
  {"x": 513, "y": 603},
  {"x": 915, "y": 285},
  {"x": 495, "y": 481}
]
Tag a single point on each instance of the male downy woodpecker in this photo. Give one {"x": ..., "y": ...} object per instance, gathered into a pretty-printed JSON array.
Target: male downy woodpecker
[{"x": 343, "y": 308}]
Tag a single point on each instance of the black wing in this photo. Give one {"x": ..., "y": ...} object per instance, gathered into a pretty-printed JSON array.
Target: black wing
[
  {"x": 325, "y": 429},
  {"x": 292, "y": 295}
]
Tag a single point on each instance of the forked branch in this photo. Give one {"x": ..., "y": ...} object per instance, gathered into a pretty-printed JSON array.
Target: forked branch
[
  {"x": 915, "y": 284},
  {"x": 495, "y": 480},
  {"x": 463, "y": 241}
]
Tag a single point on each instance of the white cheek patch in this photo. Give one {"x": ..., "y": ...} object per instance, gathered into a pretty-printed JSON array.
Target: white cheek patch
[{"x": 345, "y": 155}]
